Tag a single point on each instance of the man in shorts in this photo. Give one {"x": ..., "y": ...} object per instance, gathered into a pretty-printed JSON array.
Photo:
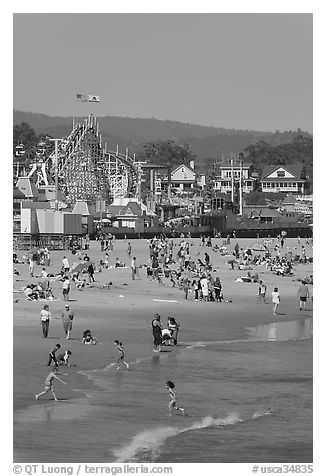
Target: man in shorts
[
  {"x": 65, "y": 265},
  {"x": 303, "y": 294},
  {"x": 261, "y": 295},
  {"x": 67, "y": 317}
]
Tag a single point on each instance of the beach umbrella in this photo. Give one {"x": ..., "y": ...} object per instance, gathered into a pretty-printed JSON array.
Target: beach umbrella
[{"x": 80, "y": 267}]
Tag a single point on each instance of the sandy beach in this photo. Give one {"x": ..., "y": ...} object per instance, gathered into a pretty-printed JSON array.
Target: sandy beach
[{"x": 93, "y": 399}]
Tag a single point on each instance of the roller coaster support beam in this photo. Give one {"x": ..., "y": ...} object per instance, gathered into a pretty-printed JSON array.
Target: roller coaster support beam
[{"x": 56, "y": 180}]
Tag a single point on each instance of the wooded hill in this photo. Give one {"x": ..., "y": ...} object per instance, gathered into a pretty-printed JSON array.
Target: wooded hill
[{"x": 207, "y": 143}]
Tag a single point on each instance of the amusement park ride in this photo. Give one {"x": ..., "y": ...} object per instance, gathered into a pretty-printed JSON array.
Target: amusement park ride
[{"x": 84, "y": 169}]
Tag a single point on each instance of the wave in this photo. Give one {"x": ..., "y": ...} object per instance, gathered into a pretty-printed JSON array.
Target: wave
[{"x": 145, "y": 445}]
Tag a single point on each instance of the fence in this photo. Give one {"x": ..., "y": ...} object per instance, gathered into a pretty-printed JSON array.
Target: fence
[{"x": 51, "y": 242}]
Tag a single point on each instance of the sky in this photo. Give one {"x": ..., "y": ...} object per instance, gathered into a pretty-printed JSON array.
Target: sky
[{"x": 244, "y": 71}]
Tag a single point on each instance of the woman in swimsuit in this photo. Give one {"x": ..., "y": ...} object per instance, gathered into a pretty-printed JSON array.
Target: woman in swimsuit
[
  {"x": 119, "y": 346},
  {"x": 173, "y": 402}
]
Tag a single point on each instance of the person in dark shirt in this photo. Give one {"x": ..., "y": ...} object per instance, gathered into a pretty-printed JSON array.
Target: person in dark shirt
[
  {"x": 90, "y": 270},
  {"x": 52, "y": 355}
]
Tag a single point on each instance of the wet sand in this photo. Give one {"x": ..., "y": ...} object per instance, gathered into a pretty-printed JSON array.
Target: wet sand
[{"x": 125, "y": 312}]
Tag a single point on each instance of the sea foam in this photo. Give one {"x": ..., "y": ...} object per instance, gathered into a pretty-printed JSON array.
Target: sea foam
[{"x": 151, "y": 440}]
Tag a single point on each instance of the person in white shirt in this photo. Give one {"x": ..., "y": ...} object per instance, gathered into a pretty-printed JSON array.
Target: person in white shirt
[
  {"x": 204, "y": 288},
  {"x": 45, "y": 320},
  {"x": 66, "y": 288},
  {"x": 275, "y": 300},
  {"x": 66, "y": 266}
]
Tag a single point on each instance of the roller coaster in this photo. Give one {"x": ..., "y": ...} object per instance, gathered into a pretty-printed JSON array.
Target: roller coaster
[{"x": 86, "y": 169}]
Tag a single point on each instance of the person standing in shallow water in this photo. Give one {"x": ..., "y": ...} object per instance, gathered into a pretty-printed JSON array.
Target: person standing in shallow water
[
  {"x": 173, "y": 400},
  {"x": 157, "y": 332},
  {"x": 119, "y": 346}
]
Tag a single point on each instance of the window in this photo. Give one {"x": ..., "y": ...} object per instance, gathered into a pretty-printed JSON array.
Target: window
[
  {"x": 285, "y": 185},
  {"x": 281, "y": 173},
  {"x": 268, "y": 185},
  {"x": 281, "y": 184},
  {"x": 272, "y": 185}
]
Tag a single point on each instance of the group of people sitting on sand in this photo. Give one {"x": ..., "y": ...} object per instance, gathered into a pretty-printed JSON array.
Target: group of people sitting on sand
[{"x": 40, "y": 291}]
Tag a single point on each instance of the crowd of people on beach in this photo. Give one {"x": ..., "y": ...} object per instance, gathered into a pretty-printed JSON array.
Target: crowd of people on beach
[{"x": 176, "y": 264}]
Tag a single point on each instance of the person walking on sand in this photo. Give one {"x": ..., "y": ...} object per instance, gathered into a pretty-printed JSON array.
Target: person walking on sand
[
  {"x": 275, "y": 300},
  {"x": 45, "y": 320},
  {"x": 31, "y": 267},
  {"x": 303, "y": 295},
  {"x": 49, "y": 383},
  {"x": 67, "y": 317},
  {"x": 134, "y": 269},
  {"x": 119, "y": 346},
  {"x": 261, "y": 294},
  {"x": 157, "y": 332},
  {"x": 65, "y": 265},
  {"x": 52, "y": 355},
  {"x": 66, "y": 288},
  {"x": 90, "y": 270},
  {"x": 173, "y": 400}
]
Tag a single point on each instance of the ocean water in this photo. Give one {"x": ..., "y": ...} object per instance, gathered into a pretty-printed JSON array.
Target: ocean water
[{"x": 247, "y": 401}]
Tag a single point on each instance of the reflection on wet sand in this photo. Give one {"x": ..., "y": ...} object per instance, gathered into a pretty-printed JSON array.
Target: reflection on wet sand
[
  {"x": 279, "y": 331},
  {"x": 51, "y": 411}
]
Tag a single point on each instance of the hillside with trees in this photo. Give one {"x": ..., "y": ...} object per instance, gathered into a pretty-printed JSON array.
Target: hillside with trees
[
  {"x": 174, "y": 143},
  {"x": 207, "y": 143}
]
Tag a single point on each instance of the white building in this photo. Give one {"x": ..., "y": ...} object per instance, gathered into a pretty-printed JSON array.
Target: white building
[
  {"x": 283, "y": 178},
  {"x": 223, "y": 182}
]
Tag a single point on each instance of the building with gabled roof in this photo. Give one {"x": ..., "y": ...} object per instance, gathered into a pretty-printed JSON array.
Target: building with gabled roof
[
  {"x": 130, "y": 214},
  {"x": 223, "y": 179},
  {"x": 183, "y": 178},
  {"x": 283, "y": 178}
]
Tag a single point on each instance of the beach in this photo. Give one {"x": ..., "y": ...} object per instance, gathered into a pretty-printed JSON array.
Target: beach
[{"x": 243, "y": 375}]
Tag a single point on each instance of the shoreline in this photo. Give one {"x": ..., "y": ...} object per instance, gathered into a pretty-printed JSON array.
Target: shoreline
[{"x": 125, "y": 312}]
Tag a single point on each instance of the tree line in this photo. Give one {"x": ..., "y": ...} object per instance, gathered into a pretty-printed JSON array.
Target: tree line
[{"x": 168, "y": 152}]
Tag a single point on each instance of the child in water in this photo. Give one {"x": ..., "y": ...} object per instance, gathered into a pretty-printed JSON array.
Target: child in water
[
  {"x": 48, "y": 386},
  {"x": 119, "y": 346},
  {"x": 173, "y": 402}
]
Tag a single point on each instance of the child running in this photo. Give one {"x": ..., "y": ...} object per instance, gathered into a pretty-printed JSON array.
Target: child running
[
  {"x": 49, "y": 383},
  {"x": 173, "y": 403},
  {"x": 119, "y": 346}
]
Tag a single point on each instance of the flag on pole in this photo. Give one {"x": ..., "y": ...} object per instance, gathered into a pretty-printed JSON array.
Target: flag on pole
[
  {"x": 92, "y": 98},
  {"x": 81, "y": 98}
]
